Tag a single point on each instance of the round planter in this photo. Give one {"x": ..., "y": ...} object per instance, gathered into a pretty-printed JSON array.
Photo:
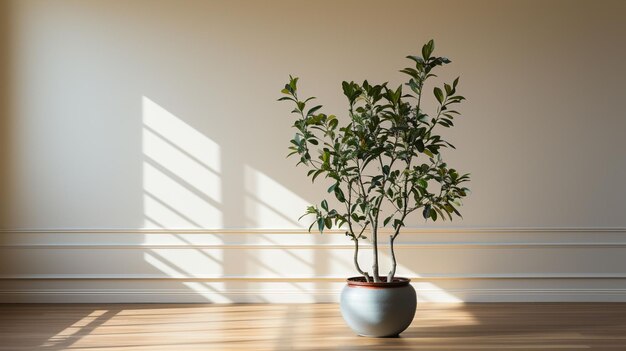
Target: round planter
[{"x": 378, "y": 309}]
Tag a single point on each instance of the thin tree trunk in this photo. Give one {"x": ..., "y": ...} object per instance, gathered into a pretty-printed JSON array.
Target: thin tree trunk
[
  {"x": 375, "y": 248},
  {"x": 356, "y": 260},
  {"x": 392, "y": 273}
]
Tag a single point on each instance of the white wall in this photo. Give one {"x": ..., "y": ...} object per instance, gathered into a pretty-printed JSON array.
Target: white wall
[{"x": 149, "y": 118}]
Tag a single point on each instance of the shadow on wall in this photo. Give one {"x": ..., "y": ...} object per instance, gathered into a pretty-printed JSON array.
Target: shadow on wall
[
  {"x": 184, "y": 187},
  {"x": 187, "y": 180}
]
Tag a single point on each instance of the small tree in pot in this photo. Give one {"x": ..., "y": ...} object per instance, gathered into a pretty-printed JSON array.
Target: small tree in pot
[{"x": 385, "y": 164}]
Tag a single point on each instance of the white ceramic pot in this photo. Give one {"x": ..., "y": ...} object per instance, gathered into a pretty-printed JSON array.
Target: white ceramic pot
[{"x": 378, "y": 309}]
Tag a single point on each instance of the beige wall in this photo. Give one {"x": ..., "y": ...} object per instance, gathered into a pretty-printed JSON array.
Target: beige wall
[
  {"x": 163, "y": 114},
  {"x": 542, "y": 133}
]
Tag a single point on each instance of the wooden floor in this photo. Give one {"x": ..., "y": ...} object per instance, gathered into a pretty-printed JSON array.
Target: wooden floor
[{"x": 114, "y": 327}]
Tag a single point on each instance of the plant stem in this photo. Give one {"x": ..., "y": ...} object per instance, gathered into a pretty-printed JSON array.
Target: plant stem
[
  {"x": 354, "y": 236},
  {"x": 374, "y": 222},
  {"x": 392, "y": 273},
  {"x": 356, "y": 260},
  {"x": 375, "y": 248}
]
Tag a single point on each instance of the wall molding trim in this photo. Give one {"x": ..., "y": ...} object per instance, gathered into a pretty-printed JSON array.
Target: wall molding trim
[
  {"x": 222, "y": 278},
  {"x": 401, "y": 246},
  {"x": 433, "y": 230},
  {"x": 522, "y": 264},
  {"x": 616, "y": 239}
]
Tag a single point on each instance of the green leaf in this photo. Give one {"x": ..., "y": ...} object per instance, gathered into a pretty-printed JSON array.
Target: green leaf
[
  {"x": 320, "y": 224},
  {"x": 419, "y": 144},
  {"x": 347, "y": 88},
  {"x": 411, "y": 72},
  {"x": 293, "y": 82},
  {"x": 433, "y": 148},
  {"x": 317, "y": 173},
  {"x": 325, "y": 205},
  {"x": 328, "y": 222},
  {"x": 333, "y": 123},
  {"x": 313, "y": 109},
  {"x": 326, "y": 156},
  {"x": 417, "y": 59},
  {"x": 413, "y": 85},
  {"x": 425, "y": 53},
  {"x": 422, "y": 183},
  {"x": 397, "y": 223},
  {"x": 455, "y": 210},
  {"x": 438, "y": 95},
  {"x": 387, "y": 220},
  {"x": 332, "y": 187},
  {"x": 426, "y": 212},
  {"x": 339, "y": 195},
  {"x": 427, "y": 49}
]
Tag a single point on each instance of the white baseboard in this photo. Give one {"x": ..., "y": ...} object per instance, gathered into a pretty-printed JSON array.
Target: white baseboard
[{"x": 293, "y": 266}]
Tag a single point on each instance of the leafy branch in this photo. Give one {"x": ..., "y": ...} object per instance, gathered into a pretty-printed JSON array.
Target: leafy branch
[{"x": 388, "y": 152}]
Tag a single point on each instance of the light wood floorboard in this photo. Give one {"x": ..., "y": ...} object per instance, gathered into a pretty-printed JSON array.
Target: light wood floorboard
[{"x": 501, "y": 326}]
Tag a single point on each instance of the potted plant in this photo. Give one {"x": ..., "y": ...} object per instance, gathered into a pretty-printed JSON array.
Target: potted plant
[{"x": 384, "y": 165}]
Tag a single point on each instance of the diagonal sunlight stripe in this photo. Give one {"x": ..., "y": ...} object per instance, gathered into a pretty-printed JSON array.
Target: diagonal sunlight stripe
[
  {"x": 182, "y": 185},
  {"x": 182, "y": 167},
  {"x": 179, "y": 133},
  {"x": 181, "y": 172}
]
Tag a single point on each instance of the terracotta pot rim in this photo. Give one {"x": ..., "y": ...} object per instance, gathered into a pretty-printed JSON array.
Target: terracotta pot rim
[{"x": 359, "y": 282}]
